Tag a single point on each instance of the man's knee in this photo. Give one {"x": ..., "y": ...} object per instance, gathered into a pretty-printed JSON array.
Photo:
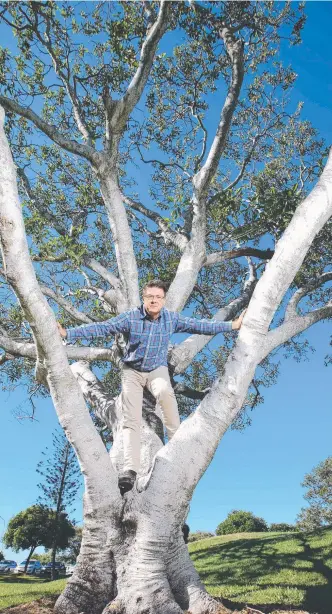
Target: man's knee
[
  {"x": 131, "y": 424},
  {"x": 163, "y": 390}
]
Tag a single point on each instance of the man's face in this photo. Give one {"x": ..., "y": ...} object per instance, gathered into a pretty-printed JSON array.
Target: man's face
[{"x": 154, "y": 299}]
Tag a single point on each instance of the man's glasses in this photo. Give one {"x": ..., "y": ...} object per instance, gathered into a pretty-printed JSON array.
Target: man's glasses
[{"x": 150, "y": 297}]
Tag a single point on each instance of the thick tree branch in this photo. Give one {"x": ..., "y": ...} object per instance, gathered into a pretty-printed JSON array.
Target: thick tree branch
[
  {"x": 302, "y": 292},
  {"x": 24, "y": 349},
  {"x": 175, "y": 238},
  {"x": 294, "y": 326},
  {"x": 67, "y": 397},
  {"x": 41, "y": 258},
  {"x": 104, "y": 273},
  {"x": 122, "y": 237},
  {"x": 234, "y": 49},
  {"x": 191, "y": 261},
  {"x": 85, "y": 151},
  {"x": 192, "y": 258},
  {"x": 107, "y": 298},
  {"x": 121, "y": 110},
  {"x": 68, "y": 307},
  {"x": 217, "y": 257},
  {"x": 106, "y": 407},
  {"x": 117, "y": 298}
]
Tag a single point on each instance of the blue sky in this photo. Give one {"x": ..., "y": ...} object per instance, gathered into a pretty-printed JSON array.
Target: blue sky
[{"x": 261, "y": 468}]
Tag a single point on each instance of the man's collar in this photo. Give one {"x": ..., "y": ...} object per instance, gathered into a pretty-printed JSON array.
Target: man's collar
[{"x": 144, "y": 314}]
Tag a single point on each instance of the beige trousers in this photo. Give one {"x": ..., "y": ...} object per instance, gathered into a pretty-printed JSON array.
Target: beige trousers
[{"x": 133, "y": 383}]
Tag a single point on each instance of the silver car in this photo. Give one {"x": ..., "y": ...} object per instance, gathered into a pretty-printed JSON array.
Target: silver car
[
  {"x": 7, "y": 566},
  {"x": 34, "y": 567}
]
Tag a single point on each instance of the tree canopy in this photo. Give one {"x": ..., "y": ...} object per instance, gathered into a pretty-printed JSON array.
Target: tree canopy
[
  {"x": 28, "y": 529},
  {"x": 240, "y": 521},
  {"x": 61, "y": 477},
  {"x": 318, "y": 485},
  {"x": 60, "y": 86},
  {"x": 59, "y": 488},
  {"x": 34, "y": 527}
]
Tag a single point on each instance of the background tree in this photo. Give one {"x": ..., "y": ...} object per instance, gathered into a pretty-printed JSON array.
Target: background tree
[
  {"x": 239, "y": 521},
  {"x": 96, "y": 112},
  {"x": 28, "y": 530},
  {"x": 62, "y": 480},
  {"x": 1, "y": 556},
  {"x": 319, "y": 496}
]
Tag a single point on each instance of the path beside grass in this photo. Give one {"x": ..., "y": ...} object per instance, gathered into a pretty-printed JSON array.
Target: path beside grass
[
  {"x": 15, "y": 590},
  {"x": 281, "y": 569}
]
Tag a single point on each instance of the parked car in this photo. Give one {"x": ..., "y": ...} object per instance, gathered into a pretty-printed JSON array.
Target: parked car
[
  {"x": 7, "y": 566},
  {"x": 60, "y": 569},
  {"x": 34, "y": 567},
  {"x": 70, "y": 569}
]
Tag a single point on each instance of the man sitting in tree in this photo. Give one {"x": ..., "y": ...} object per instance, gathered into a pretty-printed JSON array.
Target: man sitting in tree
[{"x": 149, "y": 329}]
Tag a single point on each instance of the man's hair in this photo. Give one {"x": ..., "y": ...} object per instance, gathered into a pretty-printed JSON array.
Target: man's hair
[{"x": 155, "y": 283}]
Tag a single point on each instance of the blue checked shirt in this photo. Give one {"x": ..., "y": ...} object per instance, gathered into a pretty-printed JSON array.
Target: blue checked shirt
[{"x": 148, "y": 339}]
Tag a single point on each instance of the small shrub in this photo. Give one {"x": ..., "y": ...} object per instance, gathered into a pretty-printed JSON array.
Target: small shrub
[{"x": 239, "y": 521}]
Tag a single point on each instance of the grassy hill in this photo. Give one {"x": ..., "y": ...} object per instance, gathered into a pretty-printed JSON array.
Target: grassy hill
[{"x": 281, "y": 569}]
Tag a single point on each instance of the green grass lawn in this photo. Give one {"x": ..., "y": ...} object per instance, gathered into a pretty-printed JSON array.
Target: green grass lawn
[
  {"x": 280, "y": 569},
  {"x": 22, "y": 589},
  {"x": 283, "y": 569}
]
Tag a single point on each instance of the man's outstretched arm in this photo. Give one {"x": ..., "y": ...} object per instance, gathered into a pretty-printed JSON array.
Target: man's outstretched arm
[
  {"x": 119, "y": 324},
  {"x": 207, "y": 327}
]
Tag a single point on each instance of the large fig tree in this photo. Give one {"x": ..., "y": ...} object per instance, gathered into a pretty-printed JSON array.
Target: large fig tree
[{"x": 146, "y": 139}]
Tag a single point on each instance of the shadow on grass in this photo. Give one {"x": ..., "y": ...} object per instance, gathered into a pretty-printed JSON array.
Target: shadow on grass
[
  {"x": 246, "y": 562},
  {"x": 318, "y": 598}
]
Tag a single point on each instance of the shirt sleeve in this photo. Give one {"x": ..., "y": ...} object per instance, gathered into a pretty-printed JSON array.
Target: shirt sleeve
[
  {"x": 201, "y": 327},
  {"x": 119, "y": 324}
]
